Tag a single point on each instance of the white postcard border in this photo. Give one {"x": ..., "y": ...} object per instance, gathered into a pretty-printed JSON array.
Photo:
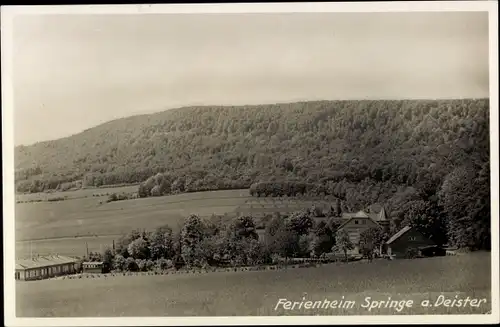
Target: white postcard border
[{"x": 7, "y": 13}]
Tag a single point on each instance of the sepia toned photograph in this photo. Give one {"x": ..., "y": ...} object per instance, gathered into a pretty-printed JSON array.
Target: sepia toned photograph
[{"x": 272, "y": 163}]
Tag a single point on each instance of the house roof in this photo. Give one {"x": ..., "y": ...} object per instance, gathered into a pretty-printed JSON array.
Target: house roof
[
  {"x": 380, "y": 216},
  {"x": 349, "y": 219},
  {"x": 359, "y": 214},
  {"x": 45, "y": 261},
  {"x": 398, "y": 234}
]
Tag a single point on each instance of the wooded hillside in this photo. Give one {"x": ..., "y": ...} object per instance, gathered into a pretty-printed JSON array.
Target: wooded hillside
[
  {"x": 395, "y": 141},
  {"x": 424, "y": 150}
]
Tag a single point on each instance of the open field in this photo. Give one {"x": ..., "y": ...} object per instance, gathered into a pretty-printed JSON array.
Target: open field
[
  {"x": 258, "y": 207},
  {"x": 82, "y": 193},
  {"x": 257, "y": 292},
  {"x": 81, "y": 219},
  {"x": 68, "y": 246},
  {"x": 65, "y": 227}
]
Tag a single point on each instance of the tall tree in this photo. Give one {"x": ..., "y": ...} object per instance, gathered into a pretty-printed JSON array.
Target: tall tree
[
  {"x": 243, "y": 227},
  {"x": 370, "y": 240},
  {"x": 427, "y": 218},
  {"x": 301, "y": 222},
  {"x": 191, "y": 239},
  {"x": 139, "y": 249},
  {"x": 324, "y": 238},
  {"x": 162, "y": 243},
  {"x": 343, "y": 243},
  {"x": 465, "y": 196}
]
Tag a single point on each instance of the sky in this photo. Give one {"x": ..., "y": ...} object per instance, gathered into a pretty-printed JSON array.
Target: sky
[{"x": 72, "y": 72}]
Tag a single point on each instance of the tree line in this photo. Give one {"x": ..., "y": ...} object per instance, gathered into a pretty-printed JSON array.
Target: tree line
[{"x": 213, "y": 242}]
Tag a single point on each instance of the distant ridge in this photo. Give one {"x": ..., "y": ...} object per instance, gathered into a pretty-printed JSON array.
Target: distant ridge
[
  {"x": 307, "y": 140},
  {"x": 153, "y": 112}
]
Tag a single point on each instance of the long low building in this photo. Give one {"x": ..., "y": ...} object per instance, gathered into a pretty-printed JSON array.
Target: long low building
[{"x": 41, "y": 267}]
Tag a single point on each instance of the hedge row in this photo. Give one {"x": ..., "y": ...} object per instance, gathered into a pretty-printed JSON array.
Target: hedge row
[{"x": 193, "y": 271}]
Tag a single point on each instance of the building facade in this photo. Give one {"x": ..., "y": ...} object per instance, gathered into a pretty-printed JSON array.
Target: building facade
[
  {"x": 42, "y": 267},
  {"x": 357, "y": 223},
  {"x": 93, "y": 267},
  {"x": 399, "y": 244}
]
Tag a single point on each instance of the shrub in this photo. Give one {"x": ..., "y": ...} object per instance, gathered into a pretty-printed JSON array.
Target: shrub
[
  {"x": 55, "y": 199},
  {"x": 119, "y": 263},
  {"x": 163, "y": 264},
  {"x": 112, "y": 198},
  {"x": 411, "y": 253},
  {"x": 131, "y": 265}
]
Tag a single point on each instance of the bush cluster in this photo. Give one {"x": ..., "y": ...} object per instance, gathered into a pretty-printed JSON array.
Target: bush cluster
[{"x": 216, "y": 242}]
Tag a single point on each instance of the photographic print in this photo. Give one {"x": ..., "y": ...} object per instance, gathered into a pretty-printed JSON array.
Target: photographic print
[{"x": 274, "y": 163}]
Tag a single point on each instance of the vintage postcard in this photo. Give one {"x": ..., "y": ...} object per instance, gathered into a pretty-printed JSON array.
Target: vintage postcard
[{"x": 243, "y": 164}]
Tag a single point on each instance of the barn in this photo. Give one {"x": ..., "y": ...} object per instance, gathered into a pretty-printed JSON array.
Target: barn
[
  {"x": 42, "y": 267},
  {"x": 408, "y": 238}
]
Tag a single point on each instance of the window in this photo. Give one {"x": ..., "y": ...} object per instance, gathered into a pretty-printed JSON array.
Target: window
[
  {"x": 356, "y": 222},
  {"x": 413, "y": 238},
  {"x": 364, "y": 221}
]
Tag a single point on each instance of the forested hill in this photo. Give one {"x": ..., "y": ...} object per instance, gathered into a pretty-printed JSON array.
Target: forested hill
[
  {"x": 426, "y": 162},
  {"x": 396, "y": 141}
]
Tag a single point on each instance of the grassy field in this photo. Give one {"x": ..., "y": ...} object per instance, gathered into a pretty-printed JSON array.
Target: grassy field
[
  {"x": 68, "y": 246},
  {"x": 257, "y": 293},
  {"x": 59, "y": 227},
  {"x": 65, "y": 227},
  {"x": 258, "y": 207},
  {"x": 77, "y": 194}
]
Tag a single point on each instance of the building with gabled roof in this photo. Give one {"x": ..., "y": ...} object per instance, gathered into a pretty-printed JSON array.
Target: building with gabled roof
[
  {"x": 41, "y": 267},
  {"x": 408, "y": 237},
  {"x": 357, "y": 222}
]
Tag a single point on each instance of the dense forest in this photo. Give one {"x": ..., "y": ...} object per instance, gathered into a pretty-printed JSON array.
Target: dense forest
[{"x": 427, "y": 157}]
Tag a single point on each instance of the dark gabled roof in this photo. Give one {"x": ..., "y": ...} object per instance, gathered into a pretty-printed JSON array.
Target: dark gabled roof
[
  {"x": 398, "y": 234},
  {"x": 348, "y": 220},
  {"x": 375, "y": 217}
]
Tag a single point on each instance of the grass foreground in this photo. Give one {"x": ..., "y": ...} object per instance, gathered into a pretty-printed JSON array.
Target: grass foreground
[{"x": 257, "y": 293}]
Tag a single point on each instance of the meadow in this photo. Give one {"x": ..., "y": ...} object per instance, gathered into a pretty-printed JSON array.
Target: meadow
[
  {"x": 84, "y": 219},
  {"x": 64, "y": 226},
  {"x": 258, "y": 207},
  {"x": 257, "y": 292},
  {"x": 76, "y": 194}
]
